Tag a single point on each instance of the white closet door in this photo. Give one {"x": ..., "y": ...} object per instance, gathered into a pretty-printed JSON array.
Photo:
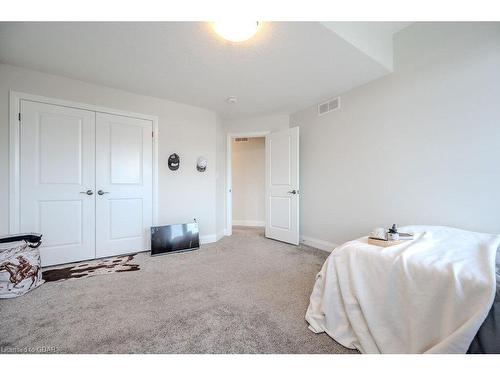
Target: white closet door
[
  {"x": 123, "y": 184},
  {"x": 57, "y": 150}
]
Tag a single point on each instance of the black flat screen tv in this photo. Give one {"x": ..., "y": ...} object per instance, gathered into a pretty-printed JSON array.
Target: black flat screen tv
[{"x": 174, "y": 238}]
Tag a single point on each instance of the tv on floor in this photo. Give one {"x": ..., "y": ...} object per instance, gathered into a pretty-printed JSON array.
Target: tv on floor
[{"x": 174, "y": 238}]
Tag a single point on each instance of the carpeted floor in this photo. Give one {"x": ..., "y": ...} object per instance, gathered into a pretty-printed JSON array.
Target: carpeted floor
[{"x": 243, "y": 294}]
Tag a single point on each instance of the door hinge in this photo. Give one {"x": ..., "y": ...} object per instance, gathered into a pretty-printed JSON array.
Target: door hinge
[
  {"x": 152, "y": 134},
  {"x": 19, "y": 116}
]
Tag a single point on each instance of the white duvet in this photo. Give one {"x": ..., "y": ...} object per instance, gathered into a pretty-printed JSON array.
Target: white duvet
[{"x": 429, "y": 295}]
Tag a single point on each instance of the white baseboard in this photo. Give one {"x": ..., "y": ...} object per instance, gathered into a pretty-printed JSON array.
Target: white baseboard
[
  {"x": 249, "y": 223},
  {"x": 219, "y": 235},
  {"x": 318, "y": 244},
  {"x": 209, "y": 238}
]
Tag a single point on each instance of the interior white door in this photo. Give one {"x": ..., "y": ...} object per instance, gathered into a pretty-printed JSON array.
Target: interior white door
[
  {"x": 124, "y": 159},
  {"x": 282, "y": 185},
  {"x": 57, "y": 150}
]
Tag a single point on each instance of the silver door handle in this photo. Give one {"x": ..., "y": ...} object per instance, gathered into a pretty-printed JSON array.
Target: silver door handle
[
  {"x": 100, "y": 192},
  {"x": 88, "y": 192},
  {"x": 292, "y": 192}
]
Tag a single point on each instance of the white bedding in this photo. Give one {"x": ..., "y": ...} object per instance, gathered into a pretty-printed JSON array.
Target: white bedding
[{"x": 429, "y": 295}]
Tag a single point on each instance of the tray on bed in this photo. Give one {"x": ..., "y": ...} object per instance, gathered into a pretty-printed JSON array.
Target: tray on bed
[{"x": 384, "y": 243}]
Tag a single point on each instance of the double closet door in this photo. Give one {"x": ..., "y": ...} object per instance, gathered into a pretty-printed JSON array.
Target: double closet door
[{"x": 85, "y": 182}]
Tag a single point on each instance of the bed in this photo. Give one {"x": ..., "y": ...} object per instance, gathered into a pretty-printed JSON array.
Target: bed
[{"x": 436, "y": 294}]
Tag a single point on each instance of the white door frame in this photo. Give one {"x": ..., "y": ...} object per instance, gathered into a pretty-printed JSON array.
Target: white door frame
[
  {"x": 14, "y": 146},
  {"x": 229, "y": 175}
]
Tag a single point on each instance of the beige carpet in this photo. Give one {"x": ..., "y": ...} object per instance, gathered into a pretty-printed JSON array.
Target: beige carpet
[{"x": 243, "y": 294}]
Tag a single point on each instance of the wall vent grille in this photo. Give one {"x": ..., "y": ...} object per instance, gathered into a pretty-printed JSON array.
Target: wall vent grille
[
  {"x": 241, "y": 139},
  {"x": 329, "y": 106}
]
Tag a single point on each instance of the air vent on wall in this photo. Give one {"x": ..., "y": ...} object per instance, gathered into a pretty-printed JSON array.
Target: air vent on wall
[
  {"x": 329, "y": 106},
  {"x": 241, "y": 139}
]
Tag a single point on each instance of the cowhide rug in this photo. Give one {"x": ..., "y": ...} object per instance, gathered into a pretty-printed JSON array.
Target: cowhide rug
[{"x": 92, "y": 268}]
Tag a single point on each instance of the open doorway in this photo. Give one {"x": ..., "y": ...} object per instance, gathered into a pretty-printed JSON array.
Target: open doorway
[
  {"x": 246, "y": 180},
  {"x": 263, "y": 183},
  {"x": 249, "y": 178}
]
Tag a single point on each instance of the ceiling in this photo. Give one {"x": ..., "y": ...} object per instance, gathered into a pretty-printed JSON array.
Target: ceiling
[
  {"x": 287, "y": 66},
  {"x": 373, "y": 38}
]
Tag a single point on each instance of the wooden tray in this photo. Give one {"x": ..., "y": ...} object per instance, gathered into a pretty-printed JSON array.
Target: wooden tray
[{"x": 382, "y": 243}]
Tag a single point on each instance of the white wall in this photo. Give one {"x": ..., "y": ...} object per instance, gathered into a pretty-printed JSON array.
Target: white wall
[
  {"x": 258, "y": 124},
  {"x": 420, "y": 146},
  {"x": 249, "y": 178},
  {"x": 186, "y": 130}
]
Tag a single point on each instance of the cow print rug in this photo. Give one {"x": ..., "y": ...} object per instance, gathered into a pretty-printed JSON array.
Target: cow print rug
[{"x": 92, "y": 268}]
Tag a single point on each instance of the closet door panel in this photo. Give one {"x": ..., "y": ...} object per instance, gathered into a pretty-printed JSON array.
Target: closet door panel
[
  {"x": 124, "y": 184},
  {"x": 57, "y": 168}
]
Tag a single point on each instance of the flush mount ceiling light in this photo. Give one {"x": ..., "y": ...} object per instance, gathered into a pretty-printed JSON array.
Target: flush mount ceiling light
[
  {"x": 232, "y": 100},
  {"x": 236, "y": 31}
]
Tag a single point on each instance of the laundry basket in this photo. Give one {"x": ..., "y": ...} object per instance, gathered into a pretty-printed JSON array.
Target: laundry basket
[{"x": 20, "y": 266}]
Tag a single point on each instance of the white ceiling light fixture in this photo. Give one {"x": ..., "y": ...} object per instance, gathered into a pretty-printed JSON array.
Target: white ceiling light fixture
[{"x": 236, "y": 31}]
